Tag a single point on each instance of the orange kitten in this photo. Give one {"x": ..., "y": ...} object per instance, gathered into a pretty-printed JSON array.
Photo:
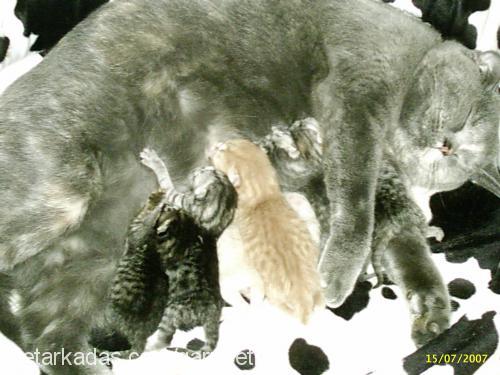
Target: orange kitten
[{"x": 277, "y": 243}]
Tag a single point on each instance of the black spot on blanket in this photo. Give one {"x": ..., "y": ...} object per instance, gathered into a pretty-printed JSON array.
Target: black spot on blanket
[
  {"x": 388, "y": 293},
  {"x": 470, "y": 218},
  {"x": 461, "y": 288},
  {"x": 245, "y": 360},
  {"x": 195, "y": 344},
  {"x": 52, "y": 19},
  {"x": 4, "y": 47},
  {"x": 356, "y": 302},
  {"x": 450, "y": 17},
  {"x": 307, "y": 359},
  {"x": 464, "y": 338},
  {"x": 494, "y": 283},
  {"x": 454, "y": 305}
]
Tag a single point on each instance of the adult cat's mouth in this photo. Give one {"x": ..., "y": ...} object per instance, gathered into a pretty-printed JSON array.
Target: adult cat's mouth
[{"x": 445, "y": 147}]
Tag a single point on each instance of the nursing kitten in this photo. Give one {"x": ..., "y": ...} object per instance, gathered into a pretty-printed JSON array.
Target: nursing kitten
[
  {"x": 237, "y": 277},
  {"x": 296, "y": 153},
  {"x": 277, "y": 243},
  {"x": 177, "y": 234},
  {"x": 180, "y": 76}
]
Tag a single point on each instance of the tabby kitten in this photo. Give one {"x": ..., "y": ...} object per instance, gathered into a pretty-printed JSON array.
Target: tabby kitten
[
  {"x": 277, "y": 243},
  {"x": 179, "y": 231}
]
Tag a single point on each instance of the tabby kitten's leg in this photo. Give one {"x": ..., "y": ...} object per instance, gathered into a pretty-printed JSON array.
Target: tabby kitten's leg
[
  {"x": 211, "y": 328},
  {"x": 164, "y": 334},
  {"x": 151, "y": 160},
  {"x": 410, "y": 265}
]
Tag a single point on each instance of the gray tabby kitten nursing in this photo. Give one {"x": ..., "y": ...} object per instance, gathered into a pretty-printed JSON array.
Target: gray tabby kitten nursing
[
  {"x": 180, "y": 76},
  {"x": 168, "y": 277}
]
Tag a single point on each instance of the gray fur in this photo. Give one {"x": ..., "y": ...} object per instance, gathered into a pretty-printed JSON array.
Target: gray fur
[
  {"x": 400, "y": 227},
  {"x": 171, "y": 75}
]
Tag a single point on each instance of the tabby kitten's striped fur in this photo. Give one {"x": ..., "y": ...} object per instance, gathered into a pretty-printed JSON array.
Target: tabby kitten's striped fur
[{"x": 171, "y": 251}]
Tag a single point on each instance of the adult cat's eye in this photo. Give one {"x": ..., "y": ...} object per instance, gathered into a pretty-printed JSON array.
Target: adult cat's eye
[{"x": 464, "y": 123}]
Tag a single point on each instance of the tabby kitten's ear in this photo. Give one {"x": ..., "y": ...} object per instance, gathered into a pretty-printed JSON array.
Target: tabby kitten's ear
[
  {"x": 200, "y": 193},
  {"x": 234, "y": 177},
  {"x": 489, "y": 65}
]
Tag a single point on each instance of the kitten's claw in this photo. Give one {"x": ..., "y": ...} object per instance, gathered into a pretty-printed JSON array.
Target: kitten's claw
[
  {"x": 435, "y": 232},
  {"x": 431, "y": 316}
]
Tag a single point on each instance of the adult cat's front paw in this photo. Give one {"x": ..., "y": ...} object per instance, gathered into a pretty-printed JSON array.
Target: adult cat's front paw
[
  {"x": 431, "y": 315},
  {"x": 338, "y": 278}
]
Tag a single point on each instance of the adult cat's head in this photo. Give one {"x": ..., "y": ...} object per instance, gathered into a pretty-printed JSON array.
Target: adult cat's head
[{"x": 450, "y": 120}]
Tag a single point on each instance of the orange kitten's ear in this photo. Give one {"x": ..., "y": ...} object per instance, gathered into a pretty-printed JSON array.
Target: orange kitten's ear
[{"x": 234, "y": 177}]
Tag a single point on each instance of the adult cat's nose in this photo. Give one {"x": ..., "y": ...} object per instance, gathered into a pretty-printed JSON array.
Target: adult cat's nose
[{"x": 446, "y": 149}]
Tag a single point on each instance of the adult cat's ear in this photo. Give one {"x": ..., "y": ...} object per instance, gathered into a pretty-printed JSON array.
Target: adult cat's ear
[
  {"x": 234, "y": 177},
  {"x": 489, "y": 65}
]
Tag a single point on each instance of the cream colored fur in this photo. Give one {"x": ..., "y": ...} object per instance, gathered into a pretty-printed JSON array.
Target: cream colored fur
[{"x": 279, "y": 253}]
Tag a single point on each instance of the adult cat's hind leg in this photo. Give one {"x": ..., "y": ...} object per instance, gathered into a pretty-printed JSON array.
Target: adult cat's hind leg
[
  {"x": 63, "y": 295},
  {"x": 8, "y": 322},
  {"x": 410, "y": 265}
]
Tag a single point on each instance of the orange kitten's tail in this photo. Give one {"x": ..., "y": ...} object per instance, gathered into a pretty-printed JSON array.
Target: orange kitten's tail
[{"x": 299, "y": 301}]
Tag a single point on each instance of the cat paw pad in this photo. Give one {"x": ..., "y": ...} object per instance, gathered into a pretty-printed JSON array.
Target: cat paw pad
[
  {"x": 431, "y": 316},
  {"x": 150, "y": 158}
]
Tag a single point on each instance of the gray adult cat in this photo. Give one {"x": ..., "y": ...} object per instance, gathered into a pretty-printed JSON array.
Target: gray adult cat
[
  {"x": 399, "y": 246},
  {"x": 180, "y": 76}
]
